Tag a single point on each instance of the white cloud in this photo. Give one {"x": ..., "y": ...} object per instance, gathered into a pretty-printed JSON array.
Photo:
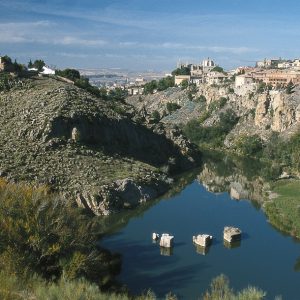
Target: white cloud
[
  {"x": 180, "y": 46},
  {"x": 70, "y": 40}
]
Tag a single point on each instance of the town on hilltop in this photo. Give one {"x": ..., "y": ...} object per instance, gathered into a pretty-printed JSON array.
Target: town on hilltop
[{"x": 274, "y": 73}]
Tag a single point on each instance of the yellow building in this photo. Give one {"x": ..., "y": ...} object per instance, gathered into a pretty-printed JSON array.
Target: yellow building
[{"x": 180, "y": 78}]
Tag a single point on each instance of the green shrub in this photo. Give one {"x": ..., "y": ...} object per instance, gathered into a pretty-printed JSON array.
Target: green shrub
[
  {"x": 42, "y": 234},
  {"x": 71, "y": 74},
  {"x": 184, "y": 84},
  {"x": 171, "y": 107},
  {"x": 249, "y": 145},
  {"x": 220, "y": 290},
  {"x": 201, "y": 99},
  {"x": 213, "y": 135},
  {"x": 156, "y": 116}
]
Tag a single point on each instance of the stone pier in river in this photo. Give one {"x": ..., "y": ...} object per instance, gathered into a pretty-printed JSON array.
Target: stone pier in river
[
  {"x": 203, "y": 240},
  {"x": 232, "y": 234},
  {"x": 166, "y": 240}
]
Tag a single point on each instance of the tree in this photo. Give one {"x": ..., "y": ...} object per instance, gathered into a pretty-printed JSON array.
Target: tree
[
  {"x": 181, "y": 71},
  {"x": 6, "y": 59},
  {"x": 261, "y": 87},
  {"x": 290, "y": 88},
  {"x": 149, "y": 87},
  {"x": 218, "y": 69},
  {"x": 156, "y": 116},
  {"x": 30, "y": 64},
  {"x": 39, "y": 64},
  {"x": 71, "y": 74},
  {"x": 18, "y": 68},
  {"x": 184, "y": 84}
]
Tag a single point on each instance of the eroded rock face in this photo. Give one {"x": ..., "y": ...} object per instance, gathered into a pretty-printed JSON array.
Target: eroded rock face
[
  {"x": 259, "y": 113},
  {"x": 277, "y": 110},
  {"x": 56, "y": 134}
]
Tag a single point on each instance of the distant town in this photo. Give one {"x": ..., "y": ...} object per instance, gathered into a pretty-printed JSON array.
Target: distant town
[
  {"x": 276, "y": 73},
  {"x": 273, "y": 72}
]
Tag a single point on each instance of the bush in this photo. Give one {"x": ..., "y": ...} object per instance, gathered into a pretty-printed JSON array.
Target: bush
[
  {"x": 44, "y": 235},
  {"x": 201, "y": 99},
  {"x": 220, "y": 290},
  {"x": 184, "y": 84},
  {"x": 156, "y": 116},
  {"x": 216, "y": 105},
  {"x": 290, "y": 88},
  {"x": 213, "y": 135},
  {"x": 71, "y": 74},
  {"x": 249, "y": 145},
  {"x": 171, "y": 107}
]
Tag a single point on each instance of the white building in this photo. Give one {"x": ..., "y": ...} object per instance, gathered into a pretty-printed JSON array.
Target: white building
[
  {"x": 47, "y": 71},
  {"x": 215, "y": 78},
  {"x": 241, "y": 80}
]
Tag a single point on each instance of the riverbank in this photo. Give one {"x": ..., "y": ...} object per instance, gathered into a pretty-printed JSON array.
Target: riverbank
[{"x": 283, "y": 210}]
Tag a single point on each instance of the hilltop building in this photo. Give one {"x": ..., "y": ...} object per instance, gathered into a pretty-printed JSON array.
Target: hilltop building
[
  {"x": 268, "y": 63},
  {"x": 271, "y": 77},
  {"x": 201, "y": 73},
  {"x": 180, "y": 78}
]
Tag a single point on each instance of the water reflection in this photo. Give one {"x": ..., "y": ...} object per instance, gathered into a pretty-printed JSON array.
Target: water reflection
[
  {"x": 166, "y": 251},
  {"x": 202, "y": 250},
  {"x": 241, "y": 178},
  {"x": 232, "y": 245}
]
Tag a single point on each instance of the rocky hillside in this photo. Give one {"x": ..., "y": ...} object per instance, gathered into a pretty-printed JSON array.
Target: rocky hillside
[
  {"x": 91, "y": 150},
  {"x": 260, "y": 113}
]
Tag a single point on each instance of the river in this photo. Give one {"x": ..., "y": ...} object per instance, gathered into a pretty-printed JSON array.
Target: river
[{"x": 265, "y": 258}]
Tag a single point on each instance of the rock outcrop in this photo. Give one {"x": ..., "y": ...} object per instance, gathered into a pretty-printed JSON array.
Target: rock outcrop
[
  {"x": 259, "y": 113},
  {"x": 88, "y": 149}
]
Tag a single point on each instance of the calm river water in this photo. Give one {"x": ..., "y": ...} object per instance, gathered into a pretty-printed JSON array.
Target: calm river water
[{"x": 266, "y": 258}]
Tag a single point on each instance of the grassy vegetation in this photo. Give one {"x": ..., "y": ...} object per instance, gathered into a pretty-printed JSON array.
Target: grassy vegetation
[
  {"x": 11, "y": 288},
  {"x": 284, "y": 211},
  {"x": 220, "y": 290}
]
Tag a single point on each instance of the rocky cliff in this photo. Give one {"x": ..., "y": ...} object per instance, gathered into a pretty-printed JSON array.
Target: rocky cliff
[
  {"x": 91, "y": 150},
  {"x": 259, "y": 112}
]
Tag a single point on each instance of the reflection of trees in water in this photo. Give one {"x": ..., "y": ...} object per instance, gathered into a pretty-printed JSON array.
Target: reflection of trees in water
[
  {"x": 297, "y": 265},
  {"x": 240, "y": 177}
]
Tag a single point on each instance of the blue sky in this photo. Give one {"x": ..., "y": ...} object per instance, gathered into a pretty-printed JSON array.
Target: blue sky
[{"x": 148, "y": 35}]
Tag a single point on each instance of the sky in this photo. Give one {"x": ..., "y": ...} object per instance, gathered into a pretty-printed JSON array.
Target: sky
[{"x": 148, "y": 34}]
